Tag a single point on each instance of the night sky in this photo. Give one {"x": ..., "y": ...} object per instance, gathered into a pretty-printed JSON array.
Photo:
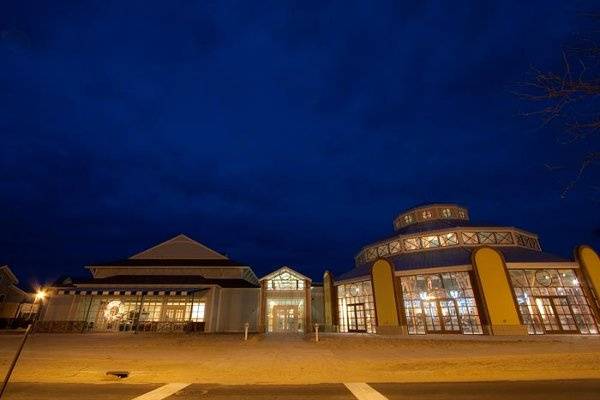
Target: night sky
[{"x": 280, "y": 133}]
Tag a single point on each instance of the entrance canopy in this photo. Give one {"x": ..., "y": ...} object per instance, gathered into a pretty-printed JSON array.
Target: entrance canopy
[{"x": 286, "y": 304}]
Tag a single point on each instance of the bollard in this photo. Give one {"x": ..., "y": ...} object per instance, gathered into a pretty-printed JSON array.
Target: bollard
[
  {"x": 246, "y": 326},
  {"x": 316, "y": 332}
]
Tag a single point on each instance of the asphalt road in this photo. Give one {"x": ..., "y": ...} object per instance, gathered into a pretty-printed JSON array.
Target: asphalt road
[{"x": 546, "y": 390}]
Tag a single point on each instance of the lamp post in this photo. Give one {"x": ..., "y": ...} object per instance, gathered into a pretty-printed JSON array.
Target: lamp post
[{"x": 39, "y": 296}]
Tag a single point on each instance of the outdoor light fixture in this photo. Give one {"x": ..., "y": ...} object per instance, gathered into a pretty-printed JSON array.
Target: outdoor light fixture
[{"x": 40, "y": 295}]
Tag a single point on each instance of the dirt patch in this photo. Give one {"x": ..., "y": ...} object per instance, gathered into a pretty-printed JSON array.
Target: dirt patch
[{"x": 227, "y": 359}]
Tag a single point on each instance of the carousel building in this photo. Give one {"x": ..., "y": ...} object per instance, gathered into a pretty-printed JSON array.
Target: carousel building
[{"x": 441, "y": 273}]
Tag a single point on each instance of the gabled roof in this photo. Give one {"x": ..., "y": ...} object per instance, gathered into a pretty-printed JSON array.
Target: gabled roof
[
  {"x": 179, "y": 247},
  {"x": 180, "y": 251},
  {"x": 285, "y": 269},
  {"x": 10, "y": 274},
  {"x": 169, "y": 263}
]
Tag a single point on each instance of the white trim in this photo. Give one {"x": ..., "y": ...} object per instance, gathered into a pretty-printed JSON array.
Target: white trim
[
  {"x": 361, "y": 278},
  {"x": 286, "y": 269},
  {"x": 363, "y": 391},
  {"x": 163, "y": 392},
  {"x": 434, "y": 270},
  {"x": 542, "y": 265}
]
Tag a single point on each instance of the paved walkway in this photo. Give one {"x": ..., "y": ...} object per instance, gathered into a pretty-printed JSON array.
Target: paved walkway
[{"x": 523, "y": 390}]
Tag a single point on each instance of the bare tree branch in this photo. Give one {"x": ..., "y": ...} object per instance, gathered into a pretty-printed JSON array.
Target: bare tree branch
[{"x": 570, "y": 98}]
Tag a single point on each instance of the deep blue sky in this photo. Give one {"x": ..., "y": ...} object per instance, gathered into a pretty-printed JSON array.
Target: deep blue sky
[{"x": 280, "y": 133}]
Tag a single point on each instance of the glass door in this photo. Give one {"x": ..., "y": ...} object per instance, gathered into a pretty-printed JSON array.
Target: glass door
[
  {"x": 564, "y": 314},
  {"x": 441, "y": 316},
  {"x": 285, "y": 318},
  {"x": 356, "y": 318},
  {"x": 450, "y": 319},
  {"x": 547, "y": 314},
  {"x": 556, "y": 315},
  {"x": 433, "y": 323}
]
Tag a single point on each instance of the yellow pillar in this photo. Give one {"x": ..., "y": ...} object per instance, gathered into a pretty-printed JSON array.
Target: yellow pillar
[
  {"x": 384, "y": 293},
  {"x": 590, "y": 265},
  {"x": 329, "y": 301},
  {"x": 497, "y": 293}
]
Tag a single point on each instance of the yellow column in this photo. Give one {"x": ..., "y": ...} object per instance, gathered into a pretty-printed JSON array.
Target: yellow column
[
  {"x": 328, "y": 301},
  {"x": 590, "y": 265},
  {"x": 385, "y": 297},
  {"x": 497, "y": 293}
]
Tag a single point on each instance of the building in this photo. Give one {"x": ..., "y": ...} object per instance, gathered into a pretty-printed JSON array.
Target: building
[
  {"x": 440, "y": 273},
  {"x": 181, "y": 285},
  {"x": 15, "y": 304}
]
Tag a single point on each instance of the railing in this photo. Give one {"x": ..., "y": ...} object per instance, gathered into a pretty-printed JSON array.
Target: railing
[{"x": 82, "y": 326}]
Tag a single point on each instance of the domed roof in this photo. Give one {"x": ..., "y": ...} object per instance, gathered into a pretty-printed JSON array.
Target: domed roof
[{"x": 438, "y": 226}]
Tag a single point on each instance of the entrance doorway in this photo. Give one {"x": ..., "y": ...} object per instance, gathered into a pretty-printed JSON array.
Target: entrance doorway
[
  {"x": 286, "y": 318},
  {"x": 356, "y": 318},
  {"x": 441, "y": 316},
  {"x": 555, "y": 314}
]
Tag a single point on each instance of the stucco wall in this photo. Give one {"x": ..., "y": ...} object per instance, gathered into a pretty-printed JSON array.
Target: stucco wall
[{"x": 236, "y": 307}]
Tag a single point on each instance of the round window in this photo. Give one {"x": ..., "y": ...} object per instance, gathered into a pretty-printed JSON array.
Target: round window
[{"x": 543, "y": 278}]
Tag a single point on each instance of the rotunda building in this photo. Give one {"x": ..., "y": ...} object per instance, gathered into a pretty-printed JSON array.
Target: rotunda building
[{"x": 441, "y": 273}]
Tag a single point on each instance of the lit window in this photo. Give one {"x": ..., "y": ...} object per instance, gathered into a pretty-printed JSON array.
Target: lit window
[
  {"x": 446, "y": 213},
  {"x": 430, "y": 241},
  {"x": 371, "y": 253},
  {"x": 552, "y": 301},
  {"x": 408, "y": 219},
  {"x": 449, "y": 239},
  {"x": 356, "y": 307},
  {"x": 285, "y": 281},
  {"x": 198, "y": 312},
  {"x": 427, "y": 214},
  {"x": 470, "y": 238},
  {"x": 395, "y": 247},
  {"x": 504, "y": 238},
  {"x": 412, "y": 244},
  {"x": 462, "y": 214},
  {"x": 486, "y": 237},
  {"x": 383, "y": 250},
  {"x": 440, "y": 304}
]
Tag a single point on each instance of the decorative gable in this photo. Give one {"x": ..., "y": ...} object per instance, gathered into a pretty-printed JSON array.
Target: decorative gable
[
  {"x": 285, "y": 273},
  {"x": 179, "y": 247}
]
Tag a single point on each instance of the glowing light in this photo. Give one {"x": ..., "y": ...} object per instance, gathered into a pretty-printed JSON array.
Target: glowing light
[
  {"x": 454, "y": 293},
  {"x": 40, "y": 295},
  {"x": 575, "y": 281},
  {"x": 423, "y": 296}
]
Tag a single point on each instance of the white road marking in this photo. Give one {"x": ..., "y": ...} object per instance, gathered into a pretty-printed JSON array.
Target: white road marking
[
  {"x": 362, "y": 391},
  {"x": 162, "y": 392}
]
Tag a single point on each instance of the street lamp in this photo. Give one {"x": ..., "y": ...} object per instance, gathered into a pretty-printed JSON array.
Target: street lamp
[{"x": 39, "y": 296}]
